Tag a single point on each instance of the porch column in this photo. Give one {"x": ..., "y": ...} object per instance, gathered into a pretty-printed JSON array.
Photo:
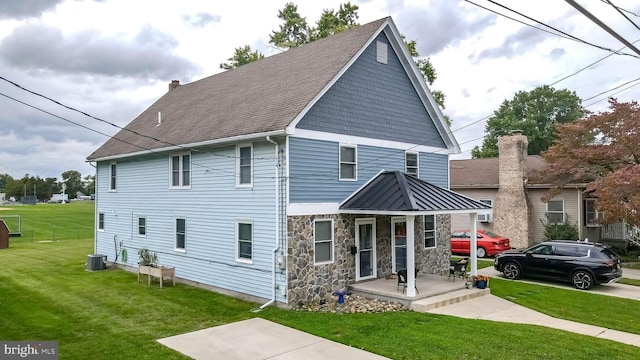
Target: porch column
[
  {"x": 411, "y": 256},
  {"x": 473, "y": 243}
]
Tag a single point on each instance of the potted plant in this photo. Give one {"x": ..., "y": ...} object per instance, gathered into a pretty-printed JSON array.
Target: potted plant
[
  {"x": 481, "y": 281},
  {"x": 147, "y": 258}
]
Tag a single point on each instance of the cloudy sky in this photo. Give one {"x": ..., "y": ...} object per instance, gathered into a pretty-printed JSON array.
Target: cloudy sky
[{"x": 113, "y": 58}]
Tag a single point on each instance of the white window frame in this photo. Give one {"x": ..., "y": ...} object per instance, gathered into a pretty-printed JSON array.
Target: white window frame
[
  {"x": 354, "y": 163},
  {"x": 238, "y": 240},
  {"x": 138, "y": 226},
  {"x": 239, "y": 184},
  {"x": 175, "y": 232},
  {"x": 555, "y": 212},
  {"x": 113, "y": 176},
  {"x": 406, "y": 163},
  {"x": 434, "y": 232},
  {"x": 586, "y": 214},
  {"x": 100, "y": 224},
  {"x": 181, "y": 171},
  {"x": 330, "y": 241}
]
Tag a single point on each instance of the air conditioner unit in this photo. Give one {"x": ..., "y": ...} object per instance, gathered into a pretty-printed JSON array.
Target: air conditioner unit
[
  {"x": 485, "y": 218},
  {"x": 96, "y": 262}
]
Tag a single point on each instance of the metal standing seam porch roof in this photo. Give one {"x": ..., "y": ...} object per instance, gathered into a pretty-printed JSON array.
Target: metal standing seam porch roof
[{"x": 396, "y": 193}]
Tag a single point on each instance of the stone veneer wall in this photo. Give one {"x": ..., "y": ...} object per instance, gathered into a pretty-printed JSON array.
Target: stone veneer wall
[{"x": 309, "y": 283}]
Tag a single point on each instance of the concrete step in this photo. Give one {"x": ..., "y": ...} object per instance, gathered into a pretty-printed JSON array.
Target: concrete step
[{"x": 452, "y": 297}]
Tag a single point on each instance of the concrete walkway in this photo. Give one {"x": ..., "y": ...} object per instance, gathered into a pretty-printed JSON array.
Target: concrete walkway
[
  {"x": 490, "y": 307},
  {"x": 259, "y": 339}
]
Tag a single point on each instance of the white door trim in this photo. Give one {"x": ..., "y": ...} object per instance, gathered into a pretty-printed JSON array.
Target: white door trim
[{"x": 374, "y": 270}]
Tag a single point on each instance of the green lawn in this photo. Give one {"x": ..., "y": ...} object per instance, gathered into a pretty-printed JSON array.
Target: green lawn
[
  {"x": 481, "y": 263},
  {"x": 627, "y": 281},
  {"x": 71, "y": 221},
  {"x": 46, "y": 294}
]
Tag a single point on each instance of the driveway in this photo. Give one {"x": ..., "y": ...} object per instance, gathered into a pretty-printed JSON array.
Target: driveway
[{"x": 618, "y": 290}]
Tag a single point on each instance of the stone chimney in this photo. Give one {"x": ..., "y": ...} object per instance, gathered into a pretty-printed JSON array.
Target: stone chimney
[
  {"x": 511, "y": 208},
  {"x": 174, "y": 84}
]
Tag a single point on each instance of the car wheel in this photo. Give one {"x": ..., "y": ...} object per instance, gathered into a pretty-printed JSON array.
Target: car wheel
[
  {"x": 481, "y": 252},
  {"x": 511, "y": 270},
  {"x": 582, "y": 280}
]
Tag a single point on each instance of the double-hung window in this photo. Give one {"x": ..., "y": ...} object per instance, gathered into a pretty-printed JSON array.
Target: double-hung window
[
  {"x": 142, "y": 226},
  {"x": 348, "y": 162},
  {"x": 180, "y": 170},
  {"x": 112, "y": 176},
  {"x": 101, "y": 221},
  {"x": 323, "y": 241},
  {"x": 244, "y": 165},
  {"x": 245, "y": 240},
  {"x": 181, "y": 234},
  {"x": 411, "y": 163},
  {"x": 429, "y": 231},
  {"x": 591, "y": 214},
  {"x": 555, "y": 211}
]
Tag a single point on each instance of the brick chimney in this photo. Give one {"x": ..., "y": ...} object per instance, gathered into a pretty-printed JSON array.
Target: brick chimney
[
  {"x": 174, "y": 84},
  {"x": 511, "y": 208}
]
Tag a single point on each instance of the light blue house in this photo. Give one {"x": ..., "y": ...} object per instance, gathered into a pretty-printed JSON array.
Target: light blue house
[{"x": 289, "y": 178}]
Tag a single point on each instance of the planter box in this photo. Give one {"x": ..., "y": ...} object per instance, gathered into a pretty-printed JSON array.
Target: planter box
[{"x": 160, "y": 272}]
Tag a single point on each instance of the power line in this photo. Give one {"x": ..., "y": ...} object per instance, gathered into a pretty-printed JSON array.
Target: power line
[
  {"x": 619, "y": 8},
  {"x": 609, "y": 96},
  {"x": 602, "y": 25},
  {"x": 621, "y": 13},
  {"x": 614, "y": 88},
  {"x": 560, "y": 31}
]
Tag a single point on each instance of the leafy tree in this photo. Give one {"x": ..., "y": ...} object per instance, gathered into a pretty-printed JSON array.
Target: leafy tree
[
  {"x": 332, "y": 22},
  {"x": 536, "y": 113},
  {"x": 293, "y": 32},
  {"x": 241, "y": 56},
  {"x": 4, "y": 180},
  {"x": 602, "y": 151},
  {"x": 73, "y": 180},
  {"x": 89, "y": 184}
]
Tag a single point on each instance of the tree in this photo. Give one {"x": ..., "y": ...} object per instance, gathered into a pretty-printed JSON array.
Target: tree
[
  {"x": 602, "y": 151},
  {"x": 90, "y": 184},
  {"x": 293, "y": 31},
  {"x": 242, "y": 56},
  {"x": 536, "y": 113},
  {"x": 73, "y": 180}
]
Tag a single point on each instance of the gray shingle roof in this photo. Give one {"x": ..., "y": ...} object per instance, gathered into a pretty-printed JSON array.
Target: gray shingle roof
[
  {"x": 259, "y": 97},
  {"x": 394, "y": 191}
]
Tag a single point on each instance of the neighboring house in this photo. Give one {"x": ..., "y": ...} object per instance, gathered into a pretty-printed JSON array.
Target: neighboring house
[
  {"x": 267, "y": 181},
  {"x": 505, "y": 184}
]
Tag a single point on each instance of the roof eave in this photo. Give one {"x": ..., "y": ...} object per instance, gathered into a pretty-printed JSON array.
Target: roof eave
[{"x": 184, "y": 147}]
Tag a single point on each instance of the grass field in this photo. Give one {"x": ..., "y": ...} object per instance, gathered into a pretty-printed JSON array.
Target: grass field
[
  {"x": 46, "y": 294},
  {"x": 52, "y": 222}
]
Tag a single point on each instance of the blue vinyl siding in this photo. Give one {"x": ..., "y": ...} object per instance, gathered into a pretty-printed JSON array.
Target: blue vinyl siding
[
  {"x": 313, "y": 169},
  {"x": 211, "y": 208},
  {"x": 374, "y": 100}
]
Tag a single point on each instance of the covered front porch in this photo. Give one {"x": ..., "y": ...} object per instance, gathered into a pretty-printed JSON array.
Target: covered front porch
[
  {"x": 432, "y": 291},
  {"x": 406, "y": 200}
]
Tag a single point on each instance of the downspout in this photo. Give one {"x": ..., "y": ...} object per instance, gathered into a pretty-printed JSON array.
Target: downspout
[
  {"x": 580, "y": 215},
  {"x": 276, "y": 247},
  {"x": 95, "y": 209}
]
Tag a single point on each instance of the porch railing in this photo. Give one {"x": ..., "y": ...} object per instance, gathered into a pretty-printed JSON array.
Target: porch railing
[{"x": 622, "y": 231}]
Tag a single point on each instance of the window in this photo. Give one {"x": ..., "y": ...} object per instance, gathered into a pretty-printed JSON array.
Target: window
[
  {"x": 100, "y": 221},
  {"x": 348, "y": 162},
  {"x": 181, "y": 234},
  {"x": 323, "y": 241},
  {"x": 591, "y": 214},
  {"x": 112, "y": 177},
  {"x": 429, "y": 231},
  {"x": 181, "y": 171},
  {"x": 142, "y": 226},
  {"x": 411, "y": 163},
  {"x": 244, "y": 161},
  {"x": 555, "y": 211},
  {"x": 485, "y": 217},
  {"x": 245, "y": 240}
]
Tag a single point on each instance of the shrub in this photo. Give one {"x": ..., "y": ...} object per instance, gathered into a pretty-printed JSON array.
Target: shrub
[{"x": 560, "y": 231}]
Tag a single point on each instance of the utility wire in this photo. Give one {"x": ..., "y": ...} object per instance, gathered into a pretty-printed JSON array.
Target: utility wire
[
  {"x": 558, "y": 30},
  {"x": 614, "y": 88},
  {"x": 609, "y": 96},
  {"x": 619, "y": 8},
  {"x": 625, "y": 16}
]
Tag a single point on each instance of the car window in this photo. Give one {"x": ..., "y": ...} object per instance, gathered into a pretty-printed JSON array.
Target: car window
[
  {"x": 566, "y": 250},
  {"x": 542, "y": 250},
  {"x": 457, "y": 235},
  {"x": 491, "y": 234},
  {"x": 583, "y": 251},
  {"x": 608, "y": 253}
]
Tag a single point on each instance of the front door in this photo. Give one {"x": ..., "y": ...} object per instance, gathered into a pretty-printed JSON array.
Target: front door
[
  {"x": 366, "y": 255},
  {"x": 399, "y": 243}
]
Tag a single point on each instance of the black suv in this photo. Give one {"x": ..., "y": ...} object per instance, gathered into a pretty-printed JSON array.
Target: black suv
[{"x": 581, "y": 263}]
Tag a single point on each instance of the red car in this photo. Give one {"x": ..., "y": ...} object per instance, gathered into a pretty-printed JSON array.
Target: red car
[{"x": 489, "y": 244}]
